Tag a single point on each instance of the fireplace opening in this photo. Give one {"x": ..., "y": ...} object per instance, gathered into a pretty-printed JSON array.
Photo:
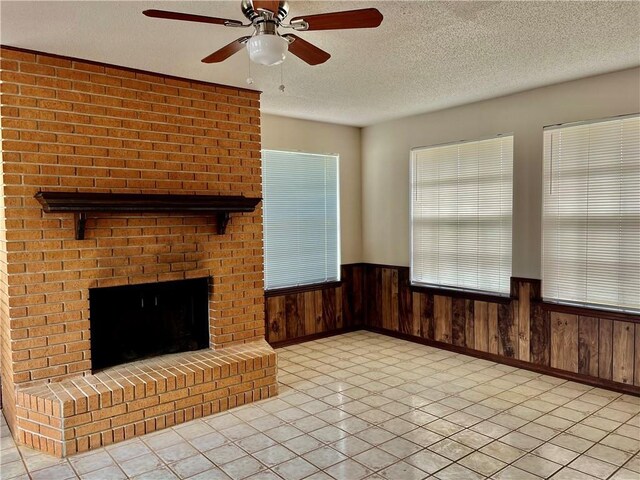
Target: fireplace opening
[{"x": 133, "y": 322}]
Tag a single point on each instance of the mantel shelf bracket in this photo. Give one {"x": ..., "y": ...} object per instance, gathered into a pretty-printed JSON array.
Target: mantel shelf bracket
[
  {"x": 80, "y": 220},
  {"x": 223, "y": 221},
  {"x": 81, "y": 204}
]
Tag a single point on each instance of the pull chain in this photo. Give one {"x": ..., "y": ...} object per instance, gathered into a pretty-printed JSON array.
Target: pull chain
[
  {"x": 281, "y": 87},
  {"x": 249, "y": 78}
]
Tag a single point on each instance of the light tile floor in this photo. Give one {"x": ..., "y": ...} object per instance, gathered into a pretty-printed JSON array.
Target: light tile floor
[{"x": 363, "y": 405}]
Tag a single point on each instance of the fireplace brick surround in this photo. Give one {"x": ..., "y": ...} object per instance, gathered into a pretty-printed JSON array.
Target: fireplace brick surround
[{"x": 72, "y": 125}]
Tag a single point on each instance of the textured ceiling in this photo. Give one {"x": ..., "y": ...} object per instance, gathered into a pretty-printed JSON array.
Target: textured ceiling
[{"x": 425, "y": 56}]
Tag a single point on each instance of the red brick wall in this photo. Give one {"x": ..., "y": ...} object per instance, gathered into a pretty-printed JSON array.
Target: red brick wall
[{"x": 77, "y": 126}]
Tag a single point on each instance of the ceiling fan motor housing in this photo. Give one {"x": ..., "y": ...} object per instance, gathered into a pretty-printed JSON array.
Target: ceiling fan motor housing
[{"x": 257, "y": 14}]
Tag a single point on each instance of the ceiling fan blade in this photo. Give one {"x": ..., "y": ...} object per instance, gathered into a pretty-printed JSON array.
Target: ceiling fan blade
[
  {"x": 363, "y": 18},
  {"x": 187, "y": 17},
  {"x": 271, "y": 5},
  {"x": 226, "y": 51},
  {"x": 307, "y": 51}
]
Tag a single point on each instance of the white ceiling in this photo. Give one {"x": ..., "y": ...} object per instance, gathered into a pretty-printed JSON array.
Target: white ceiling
[{"x": 425, "y": 56}]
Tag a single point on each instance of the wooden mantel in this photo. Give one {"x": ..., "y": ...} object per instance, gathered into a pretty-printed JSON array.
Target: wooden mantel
[{"x": 83, "y": 203}]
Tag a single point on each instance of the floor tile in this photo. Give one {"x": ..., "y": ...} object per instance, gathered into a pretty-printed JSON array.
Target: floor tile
[
  {"x": 164, "y": 439},
  {"x": 592, "y": 466},
  {"x": 555, "y": 453},
  {"x": 481, "y": 463},
  {"x": 318, "y": 476},
  {"x": 450, "y": 449},
  {"x": 471, "y": 439},
  {"x": 264, "y": 475},
  {"x": 191, "y": 466},
  {"x": 624, "y": 474},
  {"x": 283, "y": 433},
  {"x": 537, "y": 465},
  {"x": 490, "y": 429},
  {"x": 375, "y": 435},
  {"x": 398, "y": 426},
  {"x": 400, "y": 447},
  {"x": 164, "y": 473},
  {"x": 176, "y": 452},
  {"x": 238, "y": 432},
  {"x": 634, "y": 464},
  {"x": 457, "y": 472},
  {"x": 59, "y": 472},
  {"x": 353, "y": 425},
  {"x": 538, "y": 431},
  {"x": 375, "y": 459},
  {"x": 586, "y": 432},
  {"x": 348, "y": 469},
  {"x": 404, "y": 471},
  {"x": 13, "y": 469},
  {"x": 90, "y": 462},
  {"x": 571, "y": 442},
  {"x": 328, "y": 434},
  {"x": 274, "y": 455},
  {"x": 608, "y": 454},
  {"x": 111, "y": 472},
  {"x": 192, "y": 430},
  {"x": 502, "y": 451},
  {"x": 513, "y": 473},
  {"x": 225, "y": 454},
  {"x": 443, "y": 427},
  {"x": 567, "y": 473},
  {"x": 428, "y": 461},
  {"x": 127, "y": 450},
  {"x": 422, "y": 437},
  {"x": 351, "y": 446},
  {"x": 630, "y": 445},
  {"x": 324, "y": 457},
  {"x": 521, "y": 441},
  {"x": 255, "y": 443},
  {"x": 242, "y": 467},
  {"x": 141, "y": 464}
]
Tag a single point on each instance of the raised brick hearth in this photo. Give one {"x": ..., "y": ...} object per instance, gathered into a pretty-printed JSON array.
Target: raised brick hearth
[
  {"x": 75, "y": 415},
  {"x": 78, "y": 126}
]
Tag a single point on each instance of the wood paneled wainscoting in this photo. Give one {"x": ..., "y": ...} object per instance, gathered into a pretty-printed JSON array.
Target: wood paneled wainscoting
[
  {"x": 592, "y": 346},
  {"x": 304, "y": 313}
]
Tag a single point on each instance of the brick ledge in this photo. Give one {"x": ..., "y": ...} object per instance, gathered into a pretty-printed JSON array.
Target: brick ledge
[{"x": 118, "y": 403}]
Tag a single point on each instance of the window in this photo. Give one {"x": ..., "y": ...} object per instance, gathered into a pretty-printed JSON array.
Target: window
[
  {"x": 591, "y": 220},
  {"x": 461, "y": 215},
  {"x": 300, "y": 218}
]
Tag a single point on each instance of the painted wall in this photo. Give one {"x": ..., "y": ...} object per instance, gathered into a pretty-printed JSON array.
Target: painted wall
[
  {"x": 385, "y": 153},
  {"x": 283, "y": 133}
]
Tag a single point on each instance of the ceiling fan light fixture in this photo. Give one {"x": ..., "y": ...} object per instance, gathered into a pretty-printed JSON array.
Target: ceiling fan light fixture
[{"x": 267, "y": 49}]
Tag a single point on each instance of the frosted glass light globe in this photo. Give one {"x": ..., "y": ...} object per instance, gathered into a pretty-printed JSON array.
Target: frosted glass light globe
[{"x": 267, "y": 49}]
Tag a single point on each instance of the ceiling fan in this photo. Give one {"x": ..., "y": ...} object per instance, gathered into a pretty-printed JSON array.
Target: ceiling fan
[{"x": 266, "y": 45}]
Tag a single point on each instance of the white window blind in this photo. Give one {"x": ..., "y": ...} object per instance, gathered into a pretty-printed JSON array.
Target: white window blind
[
  {"x": 461, "y": 200},
  {"x": 591, "y": 220},
  {"x": 301, "y": 220}
]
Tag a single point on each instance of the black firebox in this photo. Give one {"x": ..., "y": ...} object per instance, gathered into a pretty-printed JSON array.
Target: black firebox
[{"x": 139, "y": 321}]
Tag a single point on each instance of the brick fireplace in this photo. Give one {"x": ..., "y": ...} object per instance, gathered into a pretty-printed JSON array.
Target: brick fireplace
[{"x": 77, "y": 126}]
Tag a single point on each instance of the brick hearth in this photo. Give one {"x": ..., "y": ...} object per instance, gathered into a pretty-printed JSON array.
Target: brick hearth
[{"x": 71, "y": 125}]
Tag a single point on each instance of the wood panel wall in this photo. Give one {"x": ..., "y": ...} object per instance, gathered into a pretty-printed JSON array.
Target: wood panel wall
[
  {"x": 519, "y": 328},
  {"x": 296, "y": 315}
]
